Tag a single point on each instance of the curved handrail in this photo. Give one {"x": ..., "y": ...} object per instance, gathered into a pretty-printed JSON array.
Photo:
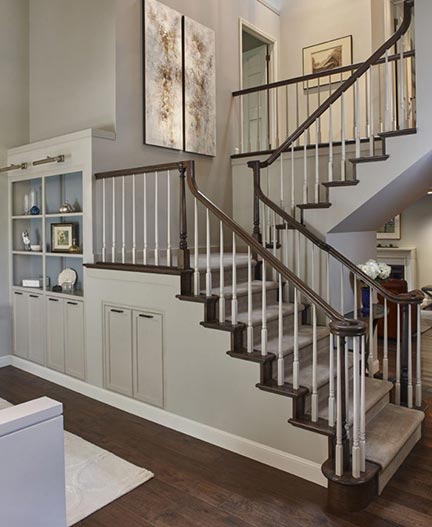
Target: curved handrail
[
  {"x": 356, "y": 326},
  {"x": 372, "y": 60}
]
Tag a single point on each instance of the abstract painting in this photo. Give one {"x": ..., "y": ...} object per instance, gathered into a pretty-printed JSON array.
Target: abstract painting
[
  {"x": 163, "y": 88},
  {"x": 327, "y": 56},
  {"x": 199, "y": 88}
]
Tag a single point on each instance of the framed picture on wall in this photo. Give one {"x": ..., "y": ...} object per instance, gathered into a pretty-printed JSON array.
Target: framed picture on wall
[
  {"x": 391, "y": 230},
  {"x": 327, "y": 56}
]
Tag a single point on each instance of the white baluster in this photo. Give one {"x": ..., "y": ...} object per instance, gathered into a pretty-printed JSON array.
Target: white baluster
[
  {"x": 145, "y": 247},
  {"x": 305, "y": 172},
  {"x": 287, "y": 129},
  {"x": 410, "y": 359},
  {"x": 196, "y": 251},
  {"x": 418, "y": 360},
  {"x": 317, "y": 174},
  {"x": 398, "y": 357},
  {"x": 381, "y": 120},
  {"x": 133, "y": 219},
  {"x": 330, "y": 162},
  {"x": 314, "y": 397},
  {"x": 169, "y": 219},
  {"x": 371, "y": 114},
  {"x": 222, "y": 310},
  {"x": 371, "y": 361},
  {"x": 293, "y": 199},
  {"x": 249, "y": 123},
  {"x": 366, "y": 78},
  {"x": 297, "y": 111},
  {"x": 296, "y": 363},
  {"x": 385, "y": 357},
  {"x": 402, "y": 87},
  {"x": 339, "y": 424},
  {"x": 356, "y": 413},
  {"x": 282, "y": 189},
  {"x": 156, "y": 219},
  {"x": 264, "y": 332},
  {"x": 388, "y": 94},
  {"x": 355, "y": 297},
  {"x": 113, "y": 248},
  {"x": 123, "y": 229},
  {"x": 357, "y": 119},
  {"x": 331, "y": 400},
  {"x": 280, "y": 363},
  {"x": 342, "y": 290},
  {"x": 308, "y": 136},
  {"x": 234, "y": 303},
  {"x": 104, "y": 220},
  {"x": 363, "y": 406},
  {"x": 250, "y": 334},
  {"x": 258, "y": 142},
  {"x": 347, "y": 388},
  {"x": 343, "y": 138},
  {"x": 208, "y": 255}
]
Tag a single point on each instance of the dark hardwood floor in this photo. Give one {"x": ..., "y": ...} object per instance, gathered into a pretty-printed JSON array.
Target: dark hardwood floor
[{"x": 197, "y": 484}]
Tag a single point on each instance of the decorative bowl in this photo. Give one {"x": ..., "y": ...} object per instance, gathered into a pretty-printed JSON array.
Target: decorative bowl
[{"x": 36, "y": 248}]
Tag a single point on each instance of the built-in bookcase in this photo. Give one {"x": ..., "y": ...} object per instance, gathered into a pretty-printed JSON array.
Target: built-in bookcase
[{"x": 49, "y": 193}]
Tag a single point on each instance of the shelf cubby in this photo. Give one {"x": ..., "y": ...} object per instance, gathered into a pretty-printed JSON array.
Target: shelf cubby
[
  {"x": 23, "y": 188},
  {"x": 56, "y": 263},
  {"x": 61, "y": 188},
  {"x": 32, "y": 225},
  {"x": 24, "y": 267}
]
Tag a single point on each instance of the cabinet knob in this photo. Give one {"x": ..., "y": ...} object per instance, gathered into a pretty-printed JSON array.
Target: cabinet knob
[{"x": 146, "y": 316}]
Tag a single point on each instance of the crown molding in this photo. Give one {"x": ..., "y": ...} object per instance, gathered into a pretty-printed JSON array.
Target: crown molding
[{"x": 273, "y": 5}]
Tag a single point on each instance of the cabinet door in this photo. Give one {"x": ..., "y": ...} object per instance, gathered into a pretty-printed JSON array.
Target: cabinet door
[
  {"x": 148, "y": 358},
  {"x": 20, "y": 324},
  {"x": 74, "y": 339},
  {"x": 55, "y": 334},
  {"x": 118, "y": 349},
  {"x": 36, "y": 326}
]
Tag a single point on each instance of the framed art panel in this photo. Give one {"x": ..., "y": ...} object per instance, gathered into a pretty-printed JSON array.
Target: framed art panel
[
  {"x": 163, "y": 90},
  {"x": 327, "y": 56},
  {"x": 391, "y": 230},
  {"x": 199, "y": 88}
]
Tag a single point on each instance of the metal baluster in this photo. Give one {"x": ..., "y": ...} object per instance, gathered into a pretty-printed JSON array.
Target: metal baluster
[
  {"x": 133, "y": 220},
  {"x": 280, "y": 363},
  {"x": 398, "y": 357},
  {"x": 410, "y": 359},
  {"x": 250, "y": 333},
  {"x": 339, "y": 468},
  {"x": 156, "y": 219},
  {"x": 317, "y": 174},
  {"x": 296, "y": 363},
  {"x": 196, "y": 251},
  {"x": 208, "y": 255},
  {"x": 123, "y": 219},
  {"x": 222, "y": 276},
  {"x": 418, "y": 360},
  {"x": 264, "y": 332},
  {"x": 363, "y": 406},
  {"x": 104, "y": 220},
  {"x": 356, "y": 413},
  {"x": 169, "y": 219},
  {"x": 114, "y": 220},
  {"x": 234, "y": 303},
  {"x": 385, "y": 358},
  {"x": 145, "y": 246}
]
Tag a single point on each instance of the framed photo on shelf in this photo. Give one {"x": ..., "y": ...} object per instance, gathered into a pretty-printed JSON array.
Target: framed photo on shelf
[
  {"x": 63, "y": 237},
  {"x": 391, "y": 230},
  {"x": 327, "y": 56}
]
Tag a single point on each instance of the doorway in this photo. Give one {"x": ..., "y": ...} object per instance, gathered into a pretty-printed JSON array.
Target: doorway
[{"x": 257, "y": 69}]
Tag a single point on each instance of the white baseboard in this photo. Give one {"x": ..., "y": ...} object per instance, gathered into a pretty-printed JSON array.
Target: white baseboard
[
  {"x": 290, "y": 463},
  {"x": 5, "y": 360}
]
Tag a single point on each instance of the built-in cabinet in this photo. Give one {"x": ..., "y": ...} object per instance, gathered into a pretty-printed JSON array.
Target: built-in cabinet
[
  {"x": 29, "y": 329},
  {"x": 133, "y": 353}
]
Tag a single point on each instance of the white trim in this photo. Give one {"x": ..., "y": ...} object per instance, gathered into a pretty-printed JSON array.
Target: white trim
[
  {"x": 5, "y": 360},
  {"x": 278, "y": 459},
  {"x": 269, "y": 4}
]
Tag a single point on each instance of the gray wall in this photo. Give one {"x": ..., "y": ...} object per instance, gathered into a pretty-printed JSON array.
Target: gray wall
[{"x": 14, "y": 95}]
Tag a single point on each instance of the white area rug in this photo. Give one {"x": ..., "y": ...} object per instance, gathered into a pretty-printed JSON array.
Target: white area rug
[{"x": 94, "y": 477}]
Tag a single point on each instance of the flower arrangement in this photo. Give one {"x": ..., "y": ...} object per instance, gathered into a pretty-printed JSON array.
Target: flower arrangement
[{"x": 376, "y": 270}]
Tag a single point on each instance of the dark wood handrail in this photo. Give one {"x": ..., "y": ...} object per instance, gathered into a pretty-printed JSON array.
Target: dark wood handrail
[
  {"x": 373, "y": 59},
  {"x": 315, "y": 76},
  {"x": 178, "y": 165},
  {"x": 413, "y": 297}
]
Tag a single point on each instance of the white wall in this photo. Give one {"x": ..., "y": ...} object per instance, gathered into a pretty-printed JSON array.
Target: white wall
[
  {"x": 416, "y": 231},
  {"x": 14, "y": 96},
  {"x": 72, "y": 66}
]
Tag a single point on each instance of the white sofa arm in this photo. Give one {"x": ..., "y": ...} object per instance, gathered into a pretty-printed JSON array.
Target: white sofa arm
[{"x": 28, "y": 414}]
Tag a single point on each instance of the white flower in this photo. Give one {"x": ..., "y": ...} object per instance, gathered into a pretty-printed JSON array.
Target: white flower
[
  {"x": 384, "y": 271},
  {"x": 376, "y": 270}
]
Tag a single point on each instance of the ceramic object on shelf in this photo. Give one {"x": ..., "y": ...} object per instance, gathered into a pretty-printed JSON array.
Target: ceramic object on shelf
[
  {"x": 35, "y": 211},
  {"x": 67, "y": 276},
  {"x": 74, "y": 248},
  {"x": 66, "y": 208},
  {"x": 26, "y": 241},
  {"x": 36, "y": 248}
]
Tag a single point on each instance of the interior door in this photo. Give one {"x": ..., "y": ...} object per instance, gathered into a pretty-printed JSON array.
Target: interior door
[{"x": 255, "y": 118}]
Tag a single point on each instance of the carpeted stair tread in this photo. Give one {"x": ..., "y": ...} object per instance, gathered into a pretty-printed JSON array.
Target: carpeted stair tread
[
  {"x": 305, "y": 374},
  {"x": 242, "y": 288},
  {"x": 241, "y": 261},
  {"x": 272, "y": 313},
  {"x": 388, "y": 432},
  {"x": 376, "y": 389},
  {"x": 304, "y": 340}
]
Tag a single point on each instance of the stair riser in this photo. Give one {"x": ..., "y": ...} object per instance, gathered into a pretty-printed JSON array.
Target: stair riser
[
  {"x": 242, "y": 301},
  {"x": 305, "y": 356},
  {"x": 273, "y": 329},
  {"x": 242, "y": 276}
]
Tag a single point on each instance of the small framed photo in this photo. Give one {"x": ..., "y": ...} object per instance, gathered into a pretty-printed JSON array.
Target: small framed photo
[
  {"x": 391, "y": 230},
  {"x": 327, "y": 56},
  {"x": 63, "y": 236}
]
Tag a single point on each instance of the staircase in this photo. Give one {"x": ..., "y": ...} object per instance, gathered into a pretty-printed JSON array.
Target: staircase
[{"x": 271, "y": 291}]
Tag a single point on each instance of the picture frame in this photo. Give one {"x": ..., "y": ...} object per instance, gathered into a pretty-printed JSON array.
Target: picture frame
[
  {"x": 328, "y": 55},
  {"x": 391, "y": 230},
  {"x": 63, "y": 236}
]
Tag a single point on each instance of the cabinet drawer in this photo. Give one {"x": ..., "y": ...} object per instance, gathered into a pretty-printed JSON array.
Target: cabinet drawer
[
  {"x": 74, "y": 338},
  {"x": 118, "y": 349}
]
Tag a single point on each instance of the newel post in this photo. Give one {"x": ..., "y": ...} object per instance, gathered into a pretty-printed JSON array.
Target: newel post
[{"x": 183, "y": 259}]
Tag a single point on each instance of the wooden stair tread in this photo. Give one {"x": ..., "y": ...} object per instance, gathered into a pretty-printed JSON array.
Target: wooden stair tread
[
  {"x": 369, "y": 159},
  {"x": 347, "y": 183},
  {"x": 304, "y": 340},
  {"x": 304, "y": 206},
  {"x": 388, "y": 432},
  {"x": 398, "y": 133}
]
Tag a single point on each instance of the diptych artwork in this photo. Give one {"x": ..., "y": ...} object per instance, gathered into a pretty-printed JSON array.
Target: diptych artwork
[
  {"x": 199, "y": 88},
  {"x": 163, "y": 76},
  {"x": 179, "y": 81}
]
